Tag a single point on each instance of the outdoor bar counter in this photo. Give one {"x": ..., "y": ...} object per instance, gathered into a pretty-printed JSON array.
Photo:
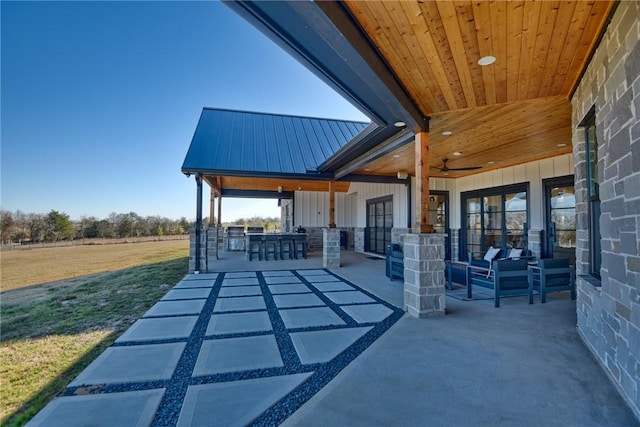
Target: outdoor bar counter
[{"x": 276, "y": 245}]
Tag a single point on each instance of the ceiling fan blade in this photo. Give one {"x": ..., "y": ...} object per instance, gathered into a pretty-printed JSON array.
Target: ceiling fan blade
[{"x": 470, "y": 168}]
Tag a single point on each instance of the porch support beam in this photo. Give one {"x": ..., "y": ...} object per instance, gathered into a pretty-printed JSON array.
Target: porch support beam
[
  {"x": 198, "y": 220},
  {"x": 212, "y": 205},
  {"x": 332, "y": 205},
  {"x": 422, "y": 184}
]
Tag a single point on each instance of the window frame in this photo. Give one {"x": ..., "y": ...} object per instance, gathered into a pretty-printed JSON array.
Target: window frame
[
  {"x": 488, "y": 192},
  {"x": 588, "y": 124}
]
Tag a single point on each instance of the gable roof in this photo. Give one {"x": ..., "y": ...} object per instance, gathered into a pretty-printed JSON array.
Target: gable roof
[{"x": 242, "y": 143}]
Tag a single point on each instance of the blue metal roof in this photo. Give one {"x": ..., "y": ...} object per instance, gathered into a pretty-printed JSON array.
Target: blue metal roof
[{"x": 241, "y": 143}]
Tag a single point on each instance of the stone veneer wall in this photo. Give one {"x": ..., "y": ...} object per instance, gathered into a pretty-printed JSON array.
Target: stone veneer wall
[
  {"x": 397, "y": 235},
  {"x": 314, "y": 238},
  {"x": 609, "y": 314}
]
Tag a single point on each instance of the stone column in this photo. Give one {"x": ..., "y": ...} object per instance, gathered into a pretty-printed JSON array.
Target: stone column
[
  {"x": 212, "y": 245},
  {"x": 358, "y": 239},
  {"x": 331, "y": 248},
  {"x": 424, "y": 281},
  {"x": 192, "y": 251}
]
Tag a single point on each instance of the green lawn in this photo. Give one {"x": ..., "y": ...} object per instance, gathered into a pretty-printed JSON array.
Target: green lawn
[{"x": 50, "y": 332}]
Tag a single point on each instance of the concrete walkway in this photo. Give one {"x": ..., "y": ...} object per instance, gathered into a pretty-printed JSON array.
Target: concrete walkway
[{"x": 287, "y": 342}]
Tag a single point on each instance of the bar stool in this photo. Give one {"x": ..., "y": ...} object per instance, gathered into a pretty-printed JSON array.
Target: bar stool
[
  {"x": 254, "y": 246},
  {"x": 271, "y": 246},
  {"x": 286, "y": 246},
  {"x": 300, "y": 245}
]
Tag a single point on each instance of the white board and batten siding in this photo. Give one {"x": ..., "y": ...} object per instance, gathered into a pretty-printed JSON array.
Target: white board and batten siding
[
  {"x": 312, "y": 208},
  {"x": 532, "y": 173}
]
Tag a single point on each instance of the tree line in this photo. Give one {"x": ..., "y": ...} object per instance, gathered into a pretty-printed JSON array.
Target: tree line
[{"x": 20, "y": 227}]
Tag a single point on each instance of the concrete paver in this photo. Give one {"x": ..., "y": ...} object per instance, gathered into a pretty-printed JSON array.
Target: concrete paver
[
  {"x": 237, "y": 354},
  {"x": 310, "y": 317},
  {"x": 149, "y": 362},
  {"x": 234, "y": 403},
  {"x": 237, "y": 323},
  {"x": 367, "y": 313},
  {"x": 297, "y": 288},
  {"x": 348, "y": 297},
  {"x": 322, "y": 346},
  {"x": 297, "y": 300},
  {"x": 132, "y": 408},
  {"x": 159, "y": 328},
  {"x": 175, "y": 308}
]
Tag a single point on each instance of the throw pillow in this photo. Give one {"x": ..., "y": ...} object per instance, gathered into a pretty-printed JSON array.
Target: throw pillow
[
  {"x": 515, "y": 253},
  {"x": 491, "y": 254}
]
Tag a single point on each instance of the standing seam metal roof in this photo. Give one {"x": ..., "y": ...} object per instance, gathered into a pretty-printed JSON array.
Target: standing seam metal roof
[{"x": 242, "y": 142}]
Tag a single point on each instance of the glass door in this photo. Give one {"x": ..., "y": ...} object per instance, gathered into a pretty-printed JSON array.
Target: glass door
[
  {"x": 494, "y": 217},
  {"x": 439, "y": 218},
  {"x": 379, "y": 224},
  {"x": 560, "y": 216}
]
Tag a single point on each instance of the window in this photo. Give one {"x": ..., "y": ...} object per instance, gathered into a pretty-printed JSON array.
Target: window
[
  {"x": 593, "y": 193},
  {"x": 495, "y": 217}
]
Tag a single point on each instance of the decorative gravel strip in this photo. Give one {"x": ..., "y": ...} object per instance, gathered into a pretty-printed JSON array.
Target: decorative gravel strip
[{"x": 217, "y": 332}]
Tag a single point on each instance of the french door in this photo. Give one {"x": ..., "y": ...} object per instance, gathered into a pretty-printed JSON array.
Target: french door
[
  {"x": 379, "y": 224},
  {"x": 495, "y": 217},
  {"x": 560, "y": 219}
]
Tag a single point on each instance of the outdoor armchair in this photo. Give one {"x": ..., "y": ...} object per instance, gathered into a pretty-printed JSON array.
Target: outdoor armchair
[
  {"x": 551, "y": 275},
  {"x": 504, "y": 278}
]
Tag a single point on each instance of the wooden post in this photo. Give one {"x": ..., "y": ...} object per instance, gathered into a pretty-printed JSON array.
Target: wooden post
[
  {"x": 422, "y": 183},
  {"x": 332, "y": 205},
  {"x": 219, "y": 182}
]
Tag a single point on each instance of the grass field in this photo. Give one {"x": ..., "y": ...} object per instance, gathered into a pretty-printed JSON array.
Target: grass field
[{"x": 62, "y": 306}]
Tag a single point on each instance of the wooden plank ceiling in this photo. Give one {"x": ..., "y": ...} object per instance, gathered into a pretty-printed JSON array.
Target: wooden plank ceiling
[
  {"x": 273, "y": 184},
  {"x": 514, "y": 111}
]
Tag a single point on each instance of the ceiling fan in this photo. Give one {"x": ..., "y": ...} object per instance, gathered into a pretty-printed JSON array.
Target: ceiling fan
[{"x": 445, "y": 168}]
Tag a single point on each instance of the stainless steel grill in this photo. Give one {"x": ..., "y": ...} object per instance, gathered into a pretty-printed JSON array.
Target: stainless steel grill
[{"x": 235, "y": 238}]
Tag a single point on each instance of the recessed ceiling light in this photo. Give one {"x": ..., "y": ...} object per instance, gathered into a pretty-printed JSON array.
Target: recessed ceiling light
[
  {"x": 447, "y": 133},
  {"x": 486, "y": 60},
  {"x": 457, "y": 153},
  {"x": 561, "y": 145},
  {"x": 367, "y": 169},
  {"x": 491, "y": 162},
  {"x": 396, "y": 155},
  {"x": 399, "y": 124}
]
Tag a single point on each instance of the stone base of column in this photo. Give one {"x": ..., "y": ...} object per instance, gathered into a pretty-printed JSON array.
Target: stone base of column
[
  {"x": 358, "y": 239},
  {"x": 424, "y": 281},
  {"x": 331, "y": 248},
  {"x": 203, "y": 251}
]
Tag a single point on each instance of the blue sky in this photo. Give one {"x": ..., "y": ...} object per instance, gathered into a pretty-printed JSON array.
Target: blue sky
[{"x": 100, "y": 101}]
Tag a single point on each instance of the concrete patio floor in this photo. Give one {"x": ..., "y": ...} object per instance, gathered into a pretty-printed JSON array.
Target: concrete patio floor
[{"x": 288, "y": 342}]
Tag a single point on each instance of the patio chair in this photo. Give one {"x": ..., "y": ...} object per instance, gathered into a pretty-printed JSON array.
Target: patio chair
[
  {"x": 504, "y": 278},
  {"x": 552, "y": 275},
  {"x": 394, "y": 261}
]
